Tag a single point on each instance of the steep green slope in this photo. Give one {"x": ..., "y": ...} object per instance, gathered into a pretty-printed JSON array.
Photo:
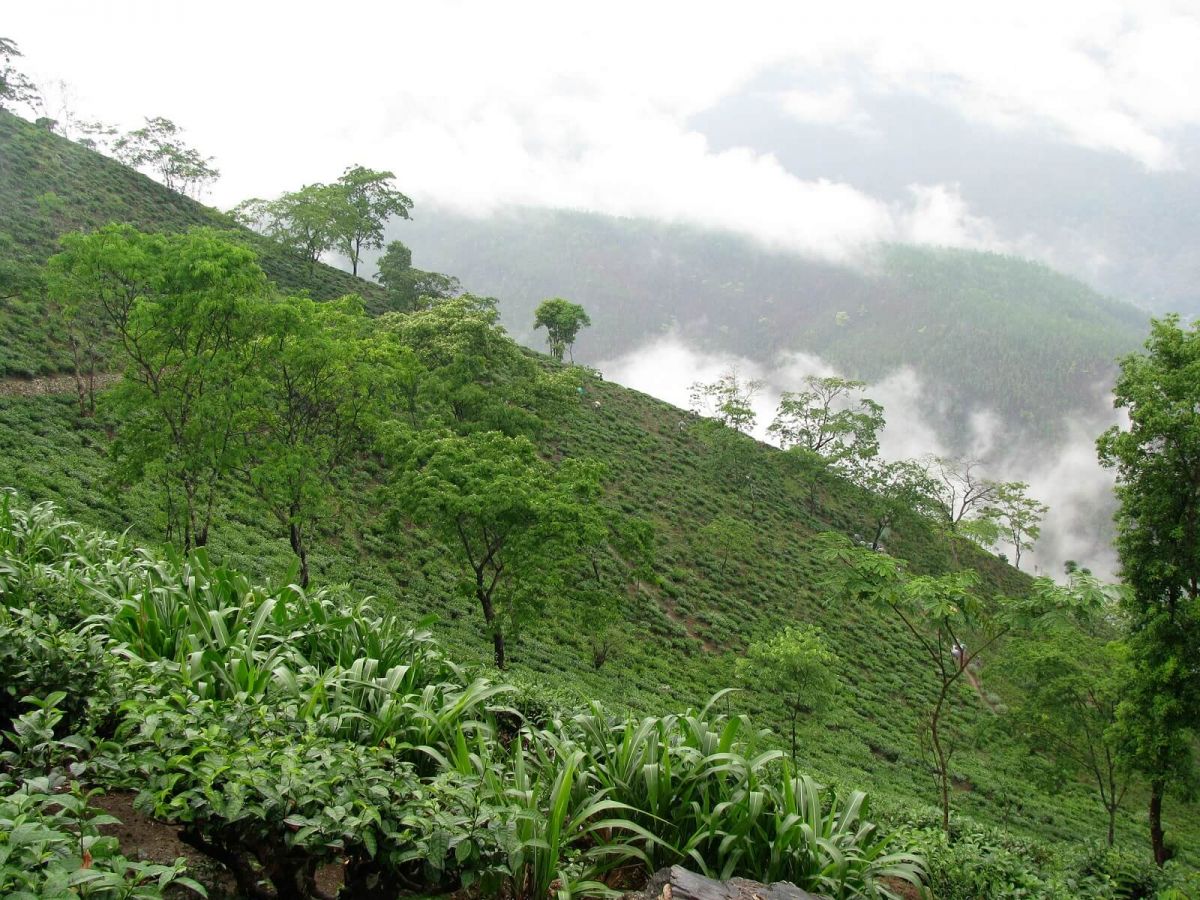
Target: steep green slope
[
  {"x": 675, "y": 633},
  {"x": 983, "y": 330},
  {"x": 49, "y": 185}
]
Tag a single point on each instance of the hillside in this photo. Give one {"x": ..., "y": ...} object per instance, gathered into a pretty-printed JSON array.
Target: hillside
[
  {"x": 671, "y": 635},
  {"x": 49, "y": 186},
  {"x": 984, "y": 331}
]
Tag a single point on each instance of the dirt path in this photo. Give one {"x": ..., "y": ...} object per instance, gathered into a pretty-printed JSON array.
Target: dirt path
[{"x": 48, "y": 385}]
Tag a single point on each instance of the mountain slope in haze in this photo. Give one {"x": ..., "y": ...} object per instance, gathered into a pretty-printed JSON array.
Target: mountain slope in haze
[
  {"x": 49, "y": 185},
  {"x": 984, "y": 331},
  {"x": 673, "y": 633}
]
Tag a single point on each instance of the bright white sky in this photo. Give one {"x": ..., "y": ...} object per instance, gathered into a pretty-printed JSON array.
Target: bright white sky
[{"x": 478, "y": 105}]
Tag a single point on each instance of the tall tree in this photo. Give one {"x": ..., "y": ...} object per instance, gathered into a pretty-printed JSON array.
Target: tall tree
[
  {"x": 830, "y": 418},
  {"x": 729, "y": 400},
  {"x": 896, "y": 488},
  {"x": 158, "y": 146},
  {"x": 303, "y": 220},
  {"x": 1157, "y": 461},
  {"x": 520, "y": 527},
  {"x": 366, "y": 201},
  {"x": 1018, "y": 515},
  {"x": 562, "y": 320},
  {"x": 950, "y": 623},
  {"x": 1069, "y": 684},
  {"x": 15, "y": 86},
  {"x": 410, "y": 289},
  {"x": 309, "y": 399},
  {"x": 794, "y": 669},
  {"x": 178, "y": 308},
  {"x": 962, "y": 491}
]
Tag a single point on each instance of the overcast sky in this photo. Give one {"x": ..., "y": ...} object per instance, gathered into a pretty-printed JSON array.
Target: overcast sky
[{"x": 478, "y": 105}]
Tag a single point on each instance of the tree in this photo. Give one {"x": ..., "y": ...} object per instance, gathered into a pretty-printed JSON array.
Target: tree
[
  {"x": 410, "y": 289},
  {"x": 1157, "y": 462},
  {"x": 470, "y": 375},
  {"x": 961, "y": 489},
  {"x": 794, "y": 669},
  {"x": 303, "y": 220},
  {"x": 827, "y": 420},
  {"x": 951, "y": 624},
  {"x": 15, "y": 86},
  {"x": 726, "y": 536},
  {"x": 178, "y": 307},
  {"x": 728, "y": 400},
  {"x": 1018, "y": 516},
  {"x": 896, "y": 488},
  {"x": 562, "y": 321},
  {"x": 1069, "y": 685},
  {"x": 313, "y": 383},
  {"x": 158, "y": 146},
  {"x": 366, "y": 201},
  {"x": 519, "y": 527}
]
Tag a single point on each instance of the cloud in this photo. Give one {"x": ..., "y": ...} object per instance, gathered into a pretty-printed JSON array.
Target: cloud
[
  {"x": 476, "y": 106},
  {"x": 1065, "y": 475}
]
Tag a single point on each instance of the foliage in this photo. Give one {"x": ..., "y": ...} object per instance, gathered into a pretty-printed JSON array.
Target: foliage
[
  {"x": 178, "y": 307},
  {"x": 794, "y": 667},
  {"x": 159, "y": 147},
  {"x": 410, "y": 289},
  {"x": 728, "y": 400},
  {"x": 1158, "y": 539},
  {"x": 521, "y": 526},
  {"x": 402, "y": 775},
  {"x": 300, "y": 220},
  {"x": 364, "y": 201},
  {"x": 54, "y": 850},
  {"x": 15, "y": 87},
  {"x": 562, "y": 320},
  {"x": 1018, "y": 515},
  {"x": 826, "y": 420}
]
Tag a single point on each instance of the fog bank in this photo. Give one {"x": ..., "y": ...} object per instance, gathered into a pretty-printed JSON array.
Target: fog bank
[{"x": 1064, "y": 474}]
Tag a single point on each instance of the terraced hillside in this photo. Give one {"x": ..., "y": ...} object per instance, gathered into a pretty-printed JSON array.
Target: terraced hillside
[{"x": 672, "y": 634}]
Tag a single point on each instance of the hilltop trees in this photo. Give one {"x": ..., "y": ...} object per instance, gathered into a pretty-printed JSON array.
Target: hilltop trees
[
  {"x": 363, "y": 202},
  {"x": 1157, "y": 461},
  {"x": 300, "y": 220},
  {"x": 348, "y": 215},
  {"x": 829, "y": 420},
  {"x": 562, "y": 321},
  {"x": 1018, "y": 515},
  {"x": 159, "y": 147},
  {"x": 15, "y": 86},
  {"x": 410, "y": 289}
]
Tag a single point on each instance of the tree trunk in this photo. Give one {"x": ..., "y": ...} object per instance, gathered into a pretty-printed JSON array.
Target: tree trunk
[
  {"x": 1157, "y": 841},
  {"x": 1112, "y": 824},
  {"x": 943, "y": 773},
  {"x": 489, "y": 616},
  {"x": 793, "y": 739},
  {"x": 297, "y": 540}
]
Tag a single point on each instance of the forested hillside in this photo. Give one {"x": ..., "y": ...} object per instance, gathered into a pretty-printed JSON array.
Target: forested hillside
[
  {"x": 984, "y": 331},
  {"x": 648, "y": 560},
  {"x": 49, "y": 186}
]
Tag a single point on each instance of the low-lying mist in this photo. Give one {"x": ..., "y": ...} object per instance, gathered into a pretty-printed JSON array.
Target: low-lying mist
[{"x": 1065, "y": 474}]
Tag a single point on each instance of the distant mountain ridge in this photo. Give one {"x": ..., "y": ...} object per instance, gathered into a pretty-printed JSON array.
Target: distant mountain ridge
[{"x": 982, "y": 329}]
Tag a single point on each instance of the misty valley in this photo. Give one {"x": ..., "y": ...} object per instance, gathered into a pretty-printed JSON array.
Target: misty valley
[{"x": 367, "y": 533}]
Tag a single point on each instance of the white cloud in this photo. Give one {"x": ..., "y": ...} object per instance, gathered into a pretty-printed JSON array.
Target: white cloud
[
  {"x": 478, "y": 105},
  {"x": 1066, "y": 476}
]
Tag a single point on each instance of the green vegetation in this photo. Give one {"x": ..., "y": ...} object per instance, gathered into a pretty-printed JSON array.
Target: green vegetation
[
  {"x": 982, "y": 330},
  {"x": 286, "y": 730},
  {"x": 636, "y": 553},
  {"x": 562, "y": 320}
]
